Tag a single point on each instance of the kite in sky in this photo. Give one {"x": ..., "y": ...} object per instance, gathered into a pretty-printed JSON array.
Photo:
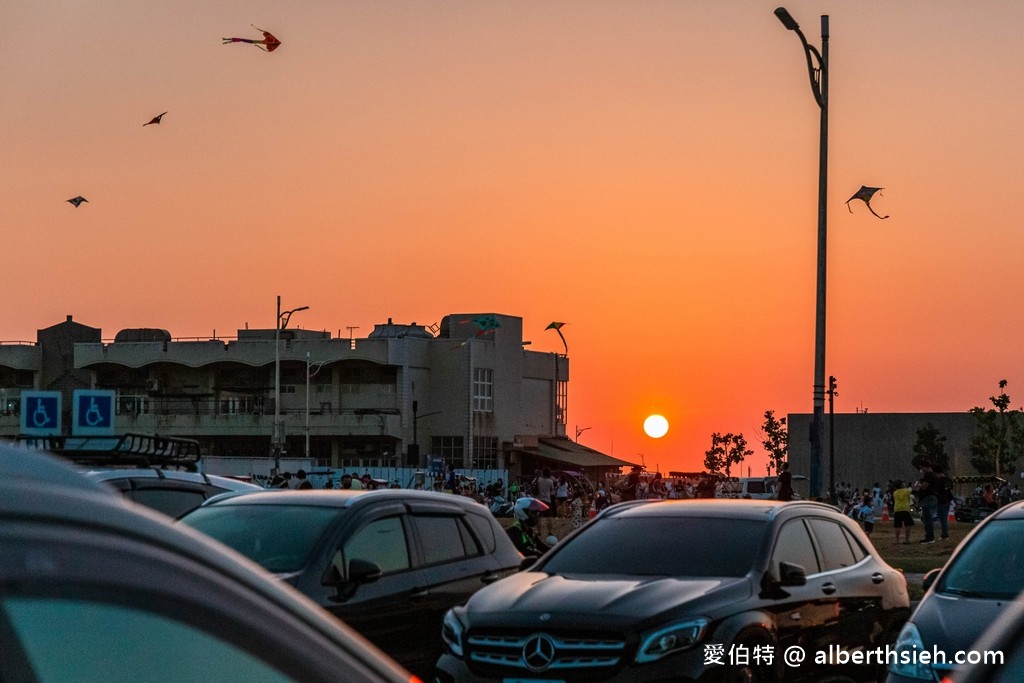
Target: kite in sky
[
  {"x": 155, "y": 119},
  {"x": 269, "y": 41},
  {"x": 557, "y": 327},
  {"x": 865, "y": 194},
  {"x": 77, "y": 200}
]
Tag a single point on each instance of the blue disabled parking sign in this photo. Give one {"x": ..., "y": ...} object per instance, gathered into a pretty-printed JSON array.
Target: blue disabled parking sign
[
  {"x": 93, "y": 413},
  {"x": 40, "y": 413}
]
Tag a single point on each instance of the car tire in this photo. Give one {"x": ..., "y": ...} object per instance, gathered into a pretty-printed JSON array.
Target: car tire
[{"x": 752, "y": 672}]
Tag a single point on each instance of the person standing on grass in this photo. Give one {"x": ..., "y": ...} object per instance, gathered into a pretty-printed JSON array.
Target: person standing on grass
[
  {"x": 901, "y": 517},
  {"x": 866, "y": 514},
  {"x": 944, "y": 497},
  {"x": 785, "y": 483},
  {"x": 926, "y": 488}
]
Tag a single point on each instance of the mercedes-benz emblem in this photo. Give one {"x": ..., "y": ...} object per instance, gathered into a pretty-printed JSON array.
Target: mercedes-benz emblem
[{"x": 538, "y": 652}]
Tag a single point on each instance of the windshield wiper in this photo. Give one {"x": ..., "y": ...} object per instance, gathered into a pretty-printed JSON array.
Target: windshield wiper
[{"x": 962, "y": 592}]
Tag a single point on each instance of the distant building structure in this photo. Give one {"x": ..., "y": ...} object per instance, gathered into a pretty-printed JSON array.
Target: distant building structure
[
  {"x": 470, "y": 394},
  {"x": 876, "y": 447}
]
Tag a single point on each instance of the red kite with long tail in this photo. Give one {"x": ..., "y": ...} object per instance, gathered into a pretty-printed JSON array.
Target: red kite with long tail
[{"x": 268, "y": 44}]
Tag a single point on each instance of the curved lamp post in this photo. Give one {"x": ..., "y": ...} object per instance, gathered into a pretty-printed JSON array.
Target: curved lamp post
[
  {"x": 817, "y": 69},
  {"x": 281, "y": 322}
]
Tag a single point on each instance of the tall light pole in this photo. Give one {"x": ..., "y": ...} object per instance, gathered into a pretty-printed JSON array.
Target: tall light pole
[
  {"x": 832, "y": 393},
  {"x": 309, "y": 373},
  {"x": 817, "y": 69},
  {"x": 280, "y": 322}
]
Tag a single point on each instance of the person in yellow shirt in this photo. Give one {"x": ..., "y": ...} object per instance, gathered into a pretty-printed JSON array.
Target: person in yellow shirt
[{"x": 901, "y": 517}]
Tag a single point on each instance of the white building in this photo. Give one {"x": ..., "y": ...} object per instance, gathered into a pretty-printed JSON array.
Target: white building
[{"x": 466, "y": 390}]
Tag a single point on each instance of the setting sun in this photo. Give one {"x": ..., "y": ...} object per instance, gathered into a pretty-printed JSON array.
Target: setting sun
[{"x": 656, "y": 426}]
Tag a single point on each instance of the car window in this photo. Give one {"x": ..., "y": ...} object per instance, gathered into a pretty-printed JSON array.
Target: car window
[
  {"x": 63, "y": 640},
  {"x": 859, "y": 553},
  {"x": 173, "y": 502},
  {"x": 793, "y": 545},
  {"x": 278, "y": 537},
  {"x": 835, "y": 549},
  {"x": 991, "y": 565},
  {"x": 755, "y": 487},
  {"x": 382, "y": 542},
  {"x": 442, "y": 538},
  {"x": 660, "y": 546},
  {"x": 484, "y": 531}
]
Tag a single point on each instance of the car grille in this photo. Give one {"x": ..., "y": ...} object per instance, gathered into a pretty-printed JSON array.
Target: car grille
[{"x": 540, "y": 651}]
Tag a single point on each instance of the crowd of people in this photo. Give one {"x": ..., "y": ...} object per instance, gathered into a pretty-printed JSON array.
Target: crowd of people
[{"x": 932, "y": 496}]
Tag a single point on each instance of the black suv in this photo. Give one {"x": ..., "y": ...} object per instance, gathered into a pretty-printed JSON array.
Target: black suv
[
  {"x": 683, "y": 590},
  {"x": 388, "y": 562}
]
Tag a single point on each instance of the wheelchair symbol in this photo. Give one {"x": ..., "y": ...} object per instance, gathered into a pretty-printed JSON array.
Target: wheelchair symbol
[
  {"x": 93, "y": 417},
  {"x": 40, "y": 418}
]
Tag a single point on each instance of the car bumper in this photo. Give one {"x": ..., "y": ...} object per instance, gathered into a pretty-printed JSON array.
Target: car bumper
[{"x": 687, "y": 668}]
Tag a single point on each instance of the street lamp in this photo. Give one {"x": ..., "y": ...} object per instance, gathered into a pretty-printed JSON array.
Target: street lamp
[
  {"x": 832, "y": 393},
  {"x": 817, "y": 69},
  {"x": 280, "y": 323},
  {"x": 309, "y": 373},
  {"x": 580, "y": 430},
  {"x": 414, "y": 449}
]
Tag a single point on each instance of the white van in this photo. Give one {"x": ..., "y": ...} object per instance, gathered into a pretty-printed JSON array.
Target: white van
[{"x": 762, "y": 488}]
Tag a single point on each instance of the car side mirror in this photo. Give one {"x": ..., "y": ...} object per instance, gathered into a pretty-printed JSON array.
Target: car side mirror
[
  {"x": 362, "y": 571},
  {"x": 791, "y": 574},
  {"x": 359, "y": 572},
  {"x": 929, "y": 578}
]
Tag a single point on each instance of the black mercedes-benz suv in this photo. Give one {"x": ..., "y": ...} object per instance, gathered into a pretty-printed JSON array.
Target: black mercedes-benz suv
[{"x": 685, "y": 590}]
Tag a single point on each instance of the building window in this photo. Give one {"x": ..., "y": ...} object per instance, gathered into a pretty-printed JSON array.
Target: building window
[
  {"x": 450, "y": 448},
  {"x": 563, "y": 401},
  {"x": 485, "y": 452},
  {"x": 483, "y": 390}
]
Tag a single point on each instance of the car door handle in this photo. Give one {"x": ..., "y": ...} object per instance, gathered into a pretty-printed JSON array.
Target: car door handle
[
  {"x": 490, "y": 577},
  {"x": 419, "y": 593},
  {"x": 877, "y": 578},
  {"x": 828, "y": 588}
]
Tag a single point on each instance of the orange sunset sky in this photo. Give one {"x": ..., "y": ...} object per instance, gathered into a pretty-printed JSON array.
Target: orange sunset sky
[{"x": 645, "y": 171}]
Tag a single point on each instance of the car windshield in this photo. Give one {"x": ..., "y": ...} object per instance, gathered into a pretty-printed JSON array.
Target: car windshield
[
  {"x": 661, "y": 546},
  {"x": 991, "y": 565},
  {"x": 277, "y": 537}
]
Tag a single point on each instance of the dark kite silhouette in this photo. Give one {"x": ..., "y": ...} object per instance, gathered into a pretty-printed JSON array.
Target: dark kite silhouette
[
  {"x": 865, "y": 194},
  {"x": 155, "y": 119},
  {"x": 77, "y": 200}
]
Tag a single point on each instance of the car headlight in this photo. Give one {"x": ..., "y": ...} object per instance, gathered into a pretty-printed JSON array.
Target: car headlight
[
  {"x": 451, "y": 631},
  {"x": 672, "y": 638},
  {"x": 907, "y": 649}
]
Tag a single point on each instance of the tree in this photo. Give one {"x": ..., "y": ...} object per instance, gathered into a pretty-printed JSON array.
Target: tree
[
  {"x": 775, "y": 439},
  {"x": 726, "y": 450},
  {"x": 714, "y": 457},
  {"x": 737, "y": 452},
  {"x": 998, "y": 437},
  {"x": 930, "y": 446}
]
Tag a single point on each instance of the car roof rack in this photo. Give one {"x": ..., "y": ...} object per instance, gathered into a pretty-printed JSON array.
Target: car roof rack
[{"x": 130, "y": 449}]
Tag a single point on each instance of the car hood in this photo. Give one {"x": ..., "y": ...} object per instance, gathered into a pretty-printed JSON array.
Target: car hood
[
  {"x": 953, "y": 623},
  {"x": 598, "y": 600}
]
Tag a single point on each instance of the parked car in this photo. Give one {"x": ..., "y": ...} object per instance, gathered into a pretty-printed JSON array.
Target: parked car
[
  {"x": 981, "y": 578},
  {"x": 95, "y": 588},
  {"x": 388, "y": 562},
  {"x": 998, "y": 654},
  {"x": 643, "y": 590},
  {"x": 171, "y": 492},
  {"x": 762, "y": 488}
]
